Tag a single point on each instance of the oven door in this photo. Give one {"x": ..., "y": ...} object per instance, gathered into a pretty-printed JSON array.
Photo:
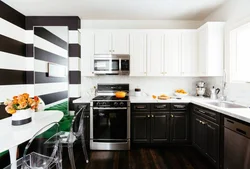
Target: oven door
[
  {"x": 109, "y": 125},
  {"x": 106, "y": 66}
]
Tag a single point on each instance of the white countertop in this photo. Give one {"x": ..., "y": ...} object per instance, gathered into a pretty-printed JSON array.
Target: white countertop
[{"x": 238, "y": 113}]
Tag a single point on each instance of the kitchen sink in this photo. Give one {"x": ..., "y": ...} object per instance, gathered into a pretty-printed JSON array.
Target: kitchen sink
[{"x": 226, "y": 105}]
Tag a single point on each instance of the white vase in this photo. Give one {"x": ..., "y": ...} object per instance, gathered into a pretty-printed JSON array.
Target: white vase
[{"x": 21, "y": 117}]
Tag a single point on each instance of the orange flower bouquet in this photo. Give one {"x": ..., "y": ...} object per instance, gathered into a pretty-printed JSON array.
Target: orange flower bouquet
[{"x": 21, "y": 108}]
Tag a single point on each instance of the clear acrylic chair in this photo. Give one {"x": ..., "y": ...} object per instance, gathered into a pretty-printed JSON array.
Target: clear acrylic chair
[
  {"x": 76, "y": 133},
  {"x": 43, "y": 151}
]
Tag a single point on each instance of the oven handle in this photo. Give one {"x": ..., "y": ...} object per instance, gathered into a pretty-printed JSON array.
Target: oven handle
[{"x": 101, "y": 108}]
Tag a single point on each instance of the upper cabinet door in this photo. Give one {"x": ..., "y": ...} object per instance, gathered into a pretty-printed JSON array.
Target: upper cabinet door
[
  {"x": 211, "y": 48},
  {"x": 189, "y": 53},
  {"x": 102, "y": 42},
  {"x": 203, "y": 46},
  {"x": 87, "y": 53},
  {"x": 138, "y": 56},
  {"x": 120, "y": 42},
  {"x": 155, "y": 54},
  {"x": 172, "y": 53}
]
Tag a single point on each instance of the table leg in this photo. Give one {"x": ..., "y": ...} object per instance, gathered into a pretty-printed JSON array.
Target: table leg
[{"x": 13, "y": 152}]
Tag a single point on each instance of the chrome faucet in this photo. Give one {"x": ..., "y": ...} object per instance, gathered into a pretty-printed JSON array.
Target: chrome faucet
[{"x": 224, "y": 84}]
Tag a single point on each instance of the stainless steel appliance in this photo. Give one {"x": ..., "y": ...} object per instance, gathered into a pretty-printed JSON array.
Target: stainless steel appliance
[
  {"x": 111, "y": 64},
  {"x": 200, "y": 88},
  {"x": 110, "y": 119},
  {"x": 236, "y": 145}
]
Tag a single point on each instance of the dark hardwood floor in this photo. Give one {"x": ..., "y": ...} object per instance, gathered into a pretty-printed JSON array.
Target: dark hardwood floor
[{"x": 141, "y": 158}]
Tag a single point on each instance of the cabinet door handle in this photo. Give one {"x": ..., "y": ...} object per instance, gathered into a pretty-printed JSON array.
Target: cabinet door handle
[
  {"x": 152, "y": 116},
  {"x": 172, "y": 115},
  {"x": 148, "y": 116}
]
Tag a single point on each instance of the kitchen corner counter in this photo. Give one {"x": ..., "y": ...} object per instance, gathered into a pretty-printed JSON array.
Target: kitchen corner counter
[
  {"x": 149, "y": 99},
  {"x": 238, "y": 113}
]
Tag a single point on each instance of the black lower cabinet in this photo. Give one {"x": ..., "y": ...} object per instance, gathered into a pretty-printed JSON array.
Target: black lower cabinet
[
  {"x": 212, "y": 141},
  {"x": 159, "y": 127},
  {"x": 141, "y": 127},
  {"x": 160, "y": 123},
  {"x": 198, "y": 132},
  {"x": 206, "y": 138},
  {"x": 179, "y": 127}
]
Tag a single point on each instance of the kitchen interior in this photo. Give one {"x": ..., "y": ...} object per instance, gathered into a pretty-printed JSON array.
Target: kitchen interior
[{"x": 160, "y": 84}]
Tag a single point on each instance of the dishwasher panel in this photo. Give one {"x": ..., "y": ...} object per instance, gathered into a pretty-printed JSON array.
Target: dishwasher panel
[{"x": 236, "y": 145}]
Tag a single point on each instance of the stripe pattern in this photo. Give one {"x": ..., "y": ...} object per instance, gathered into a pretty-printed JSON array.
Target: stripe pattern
[
  {"x": 50, "y": 47},
  {"x": 42, "y": 56},
  {"x": 13, "y": 68},
  {"x": 17, "y": 68}
]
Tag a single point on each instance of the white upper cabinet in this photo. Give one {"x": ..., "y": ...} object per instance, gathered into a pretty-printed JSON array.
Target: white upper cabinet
[
  {"x": 155, "y": 54},
  {"x": 211, "y": 47},
  {"x": 103, "y": 44},
  {"x": 120, "y": 42},
  {"x": 171, "y": 52},
  {"x": 87, "y": 53},
  {"x": 172, "y": 58},
  {"x": 189, "y": 53},
  {"x": 138, "y": 55},
  {"x": 111, "y": 42}
]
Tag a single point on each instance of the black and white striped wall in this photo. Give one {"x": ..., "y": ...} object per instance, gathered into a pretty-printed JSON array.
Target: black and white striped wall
[
  {"x": 16, "y": 53},
  {"x": 50, "y": 46},
  {"x": 14, "y": 65},
  {"x": 74, "y": 55}
]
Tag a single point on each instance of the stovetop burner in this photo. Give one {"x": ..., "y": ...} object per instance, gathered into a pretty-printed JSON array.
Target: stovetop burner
[{"x": 106, "y": 98}]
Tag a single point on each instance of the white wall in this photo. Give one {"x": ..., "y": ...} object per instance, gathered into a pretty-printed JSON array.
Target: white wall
[
  {"x": 139, "y": 24},
  {"x": 234, "y": 13}
]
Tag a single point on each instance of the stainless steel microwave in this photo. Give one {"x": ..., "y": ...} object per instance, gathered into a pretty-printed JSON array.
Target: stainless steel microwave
[{"x": 111, "y": 64}]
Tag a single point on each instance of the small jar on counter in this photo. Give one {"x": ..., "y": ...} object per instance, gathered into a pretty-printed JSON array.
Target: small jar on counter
[{"x": 137, "y": 92}]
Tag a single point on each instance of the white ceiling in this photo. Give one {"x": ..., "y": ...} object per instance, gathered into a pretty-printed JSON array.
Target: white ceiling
[{"x": 119, "y": 9}]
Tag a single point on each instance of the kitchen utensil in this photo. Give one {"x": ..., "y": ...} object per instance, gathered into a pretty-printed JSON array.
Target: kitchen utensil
[
  {"x": 214, "y": 93},
  {"x": 120, "y": 94},
  {"x": 201, "y": 84}
]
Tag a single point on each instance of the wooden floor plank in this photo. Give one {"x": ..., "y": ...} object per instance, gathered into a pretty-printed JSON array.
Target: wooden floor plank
[{"x": 141, "y": 158}]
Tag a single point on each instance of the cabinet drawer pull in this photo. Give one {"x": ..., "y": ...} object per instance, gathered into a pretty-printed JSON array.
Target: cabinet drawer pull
[
  {"x": 172, "y": 115},
  {"x": 148, "y": 116},
  {"x": 179, "y": 106},
  {"x": 140, "y": 107},
  {"x": 152, "y": 116},
  {"x": 201, "y": 111},
  {"x": 161, "y": 106}
]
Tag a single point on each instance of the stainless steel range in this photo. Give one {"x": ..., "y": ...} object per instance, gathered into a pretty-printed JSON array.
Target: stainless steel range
[{"x": 110, "y": 119}]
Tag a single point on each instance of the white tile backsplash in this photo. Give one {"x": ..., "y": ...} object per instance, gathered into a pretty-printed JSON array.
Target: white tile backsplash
[{"x": 149, "y": 85}]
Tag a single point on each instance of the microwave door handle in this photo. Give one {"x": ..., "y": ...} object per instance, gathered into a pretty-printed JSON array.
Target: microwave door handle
[{"x": 120, "y": 65}]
